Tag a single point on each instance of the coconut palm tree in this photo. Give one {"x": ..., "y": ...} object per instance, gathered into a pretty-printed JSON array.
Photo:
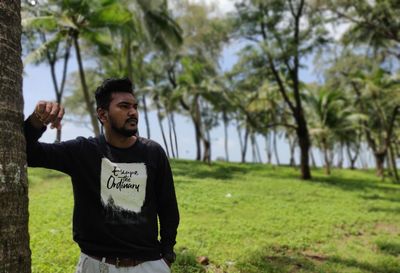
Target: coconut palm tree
[
  {"x": 15, "y": 256},
  {"x": 330, "y": 117}
]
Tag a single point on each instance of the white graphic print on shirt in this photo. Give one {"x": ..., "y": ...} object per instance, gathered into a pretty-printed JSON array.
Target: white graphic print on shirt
[{"x": 123, "y": 185}]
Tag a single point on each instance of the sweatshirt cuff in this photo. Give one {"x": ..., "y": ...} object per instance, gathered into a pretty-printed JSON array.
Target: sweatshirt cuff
[
  {"x": 167, "y": 249},
  {"x": 32, "y": 131}
]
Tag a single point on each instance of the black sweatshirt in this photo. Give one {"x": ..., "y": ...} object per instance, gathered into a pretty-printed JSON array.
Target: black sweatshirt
[{"x": 118, "y": 194}]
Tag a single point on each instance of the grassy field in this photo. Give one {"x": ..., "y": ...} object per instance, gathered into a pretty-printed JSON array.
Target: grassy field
[{"x": 248, "y": 218}]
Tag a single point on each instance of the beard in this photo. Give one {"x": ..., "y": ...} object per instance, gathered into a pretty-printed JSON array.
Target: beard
[{"x": 123, "y": 130}]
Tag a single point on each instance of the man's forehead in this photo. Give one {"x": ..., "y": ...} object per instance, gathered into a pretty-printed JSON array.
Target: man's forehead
[{"x": 118, "y": 97}]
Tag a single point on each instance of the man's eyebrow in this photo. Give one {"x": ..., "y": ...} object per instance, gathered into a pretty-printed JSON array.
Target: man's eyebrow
[{"x": 126, "y": 102}]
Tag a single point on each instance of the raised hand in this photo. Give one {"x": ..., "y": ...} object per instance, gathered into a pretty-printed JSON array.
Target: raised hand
[{"x": 47, "y": 112}]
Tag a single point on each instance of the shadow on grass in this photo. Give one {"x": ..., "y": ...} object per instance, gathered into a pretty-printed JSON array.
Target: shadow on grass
[
  {"x": 389, "y": 248},
  {"x": 217, "y": 170},
  {"x": 386, "y": 210},
  {"x": 343, "y": 182},
  {"x": 281, "y": 260}
]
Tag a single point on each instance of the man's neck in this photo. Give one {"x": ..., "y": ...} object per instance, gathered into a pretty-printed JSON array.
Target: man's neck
[{"x": 119, "y": 141}]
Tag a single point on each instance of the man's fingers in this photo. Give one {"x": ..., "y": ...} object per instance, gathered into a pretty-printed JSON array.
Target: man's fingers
[
  {"x": 50, "y": 112},
  {"x": 57, "y": 121},
  {"x": 41, "y": 106},
  {"x": 61, "y": 112}
]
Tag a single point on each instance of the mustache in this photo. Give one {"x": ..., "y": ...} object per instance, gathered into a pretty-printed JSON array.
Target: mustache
[{"x": 132, "y": 119}]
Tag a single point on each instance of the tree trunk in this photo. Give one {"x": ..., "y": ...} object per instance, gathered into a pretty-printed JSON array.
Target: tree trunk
[
  {"x": 314, "y": 164},
  {"x": 258, "y": 151},
  {"x": 170, "y": 135},
  {"x": 15, "y": 255},
  {"x": 225, "y": 119},
  {"x": 207, "y": 148},
  {"x": 393, "y": 163},
  {"x": 146, "y": 115},
  {"x": 175, "y": 136},
  {"x": 380, "y": 162},
  {"x": 352, "y": 159},
  {"x": 340, "y": 157},
  {"x": 304, "y": 141},
  {"x": 326, "y": 158},
  {"x": 161, "y": 127},
  {"x": 239, "y": 131},
  {"x": 268, "y": 147},
  {"x": 89, "y": 105},
  {"x": 276, "y": 149},
  {"x": 253, "y": 148},
  {"x": 292, "y": 161},
  {"x": 245, "y": 141}
]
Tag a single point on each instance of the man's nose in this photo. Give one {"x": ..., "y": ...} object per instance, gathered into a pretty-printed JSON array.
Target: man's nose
[{"x": 132, "y": 111}]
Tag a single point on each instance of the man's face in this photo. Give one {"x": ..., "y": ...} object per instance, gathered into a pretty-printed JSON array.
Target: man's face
[{"x": 122, "y": 114}]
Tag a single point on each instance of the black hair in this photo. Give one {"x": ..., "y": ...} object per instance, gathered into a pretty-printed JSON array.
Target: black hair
[{"x": 109, "y": 86}]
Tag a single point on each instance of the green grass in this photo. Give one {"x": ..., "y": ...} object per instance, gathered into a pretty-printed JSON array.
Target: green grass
[{"x": 248, "y": 218}]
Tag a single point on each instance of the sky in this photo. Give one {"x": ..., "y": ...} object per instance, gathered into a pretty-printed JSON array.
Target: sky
[{"x": 37, "y": 86}]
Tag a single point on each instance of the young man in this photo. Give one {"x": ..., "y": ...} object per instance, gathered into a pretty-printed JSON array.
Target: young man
[{"x": 122, "y": 185}]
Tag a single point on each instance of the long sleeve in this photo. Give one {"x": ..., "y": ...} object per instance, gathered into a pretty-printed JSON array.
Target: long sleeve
[
  {"x": 57, "y": 156},
  {"x": 167, "y": 206}
]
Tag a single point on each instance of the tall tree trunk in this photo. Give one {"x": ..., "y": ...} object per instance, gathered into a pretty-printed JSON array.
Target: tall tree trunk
[
  {"x": 253, "y": 148},
  {"x": 207, "y": 148},
  {"x": 226, "y": 122},
  {"x": 198, "y": 125},
  {"x": 175, "y": 136},
  {"x": 63, "y": 80},
  {"x": 393, "y": 164},
  {"x": 352, "y": 159},
  {"x": 340, "y": 157},
  {"x": 198, "y": 139},
  {"x": 268, "y": 147},
  {"x": 380, "y": 164},
  {"x": 239, "y": 131},
  {"x": 276, "y": 149},
  {"x": 146, "y": 115},
  {"x": 170, "y": 135},
  {"x": 161, "y": 127},
  {"x": 15, "y": 255},
  {"x": 258, "y": 151},
  {"x": 314, "y": 164},
  {"x": 52, "y": 60},
  {"x": 89, "y": 105},
  {"x": 326, "y": 158},
  {"x": 292, "y": 146},
  {"x": 245, "y": 141},
  {"x": 304, "y": 141}
]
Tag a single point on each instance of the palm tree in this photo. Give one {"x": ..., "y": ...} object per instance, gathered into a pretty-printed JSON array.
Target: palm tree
[
  {"x": 73, "y": 20},
  {"x": 15, "y": 256},
  {"x": 330, "y": 117}
]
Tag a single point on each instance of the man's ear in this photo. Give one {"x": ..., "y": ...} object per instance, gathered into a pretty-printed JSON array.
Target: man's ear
[{"x": 102, "y": 115}]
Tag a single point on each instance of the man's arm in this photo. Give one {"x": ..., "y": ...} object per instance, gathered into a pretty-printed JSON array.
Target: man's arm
[
  {"x": 167, "y": 209},
  {"x": 52, "y": 156}
]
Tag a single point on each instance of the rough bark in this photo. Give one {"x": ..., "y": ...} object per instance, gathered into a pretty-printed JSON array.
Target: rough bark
[{"x": 15, "y": 255}]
